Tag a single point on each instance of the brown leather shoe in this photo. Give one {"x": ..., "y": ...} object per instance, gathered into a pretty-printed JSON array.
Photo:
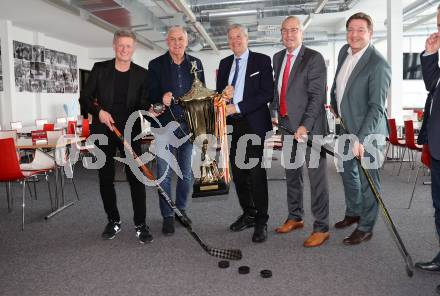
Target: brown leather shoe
[
  {"x": 357, "y": 237},
  {"x": 289, "y": 225},
  {"x": 347, "y": 221},
  {"x": 316, "y": 239}
]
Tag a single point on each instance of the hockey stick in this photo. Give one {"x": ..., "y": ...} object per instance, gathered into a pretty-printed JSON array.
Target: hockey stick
[
  {"x": 230, "y": 254},
  {"x": 386, "y": 214}
]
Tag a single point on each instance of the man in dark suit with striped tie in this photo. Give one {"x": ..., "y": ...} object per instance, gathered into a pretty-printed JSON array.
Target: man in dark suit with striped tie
[{"x": 246, "y": 76}]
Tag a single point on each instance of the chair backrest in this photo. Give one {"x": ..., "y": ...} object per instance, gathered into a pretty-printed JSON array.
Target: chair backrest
[
  {"x": 410, "y": 141},
  {"x": 53, "y": 136},
  {"x": 40, "y": 123},
  {"x": 85, "y": 129},
  {"x": 392, "y": 126},
  {"x": 48, "y": 127},
  {"x": 425, "y": 157},
  {"x": 8, "y": 158},
  {"x": 4, "y": 134},
  {"x": 62, "y": 120},
  {"x": 15, "y": 125},
  {"x": 71, "y": 127}
]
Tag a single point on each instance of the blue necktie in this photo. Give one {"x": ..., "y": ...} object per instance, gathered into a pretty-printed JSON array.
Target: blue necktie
[{"x": 237, "y": 67}]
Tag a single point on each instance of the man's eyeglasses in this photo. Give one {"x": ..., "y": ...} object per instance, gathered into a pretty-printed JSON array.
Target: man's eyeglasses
[{"x": 286, "y": 31}]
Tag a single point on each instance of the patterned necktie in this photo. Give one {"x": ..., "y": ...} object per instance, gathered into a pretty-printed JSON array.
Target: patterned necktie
[
  {"x": 286, "y": 72},
  {"x": 237, "y": 68}
]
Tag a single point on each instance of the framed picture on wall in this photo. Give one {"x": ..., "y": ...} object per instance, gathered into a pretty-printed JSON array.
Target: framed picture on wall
[{"x": 40, "y": 69}]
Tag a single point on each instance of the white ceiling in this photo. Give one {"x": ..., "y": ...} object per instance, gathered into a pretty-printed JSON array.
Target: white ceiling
[{"x": 40, "y": 16}]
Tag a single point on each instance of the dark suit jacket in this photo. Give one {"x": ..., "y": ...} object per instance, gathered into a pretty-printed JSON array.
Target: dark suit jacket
[
  {"x": 431, "y": 121},
  {"x": 100, "y": 87},
  {"x": 257, "y": 93},
  {"x": 363, "y": 106},
  {"x": 159, "y": 81},
  {"x": 306, "y": 90}
]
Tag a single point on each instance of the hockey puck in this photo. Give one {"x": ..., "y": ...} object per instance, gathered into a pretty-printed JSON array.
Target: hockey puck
[
  {"x": 266, "y": 273},
  {"x": 243, "y": 270},
  {"x": 223, "y": 264}
]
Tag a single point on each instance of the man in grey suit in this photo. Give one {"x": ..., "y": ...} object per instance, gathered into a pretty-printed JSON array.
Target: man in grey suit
[
  {"x": 358, "y": 94},
  {"x": 300, "y": 90}
]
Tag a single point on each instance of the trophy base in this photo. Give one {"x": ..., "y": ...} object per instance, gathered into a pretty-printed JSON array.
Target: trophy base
[{"x": 209, "y": 189}]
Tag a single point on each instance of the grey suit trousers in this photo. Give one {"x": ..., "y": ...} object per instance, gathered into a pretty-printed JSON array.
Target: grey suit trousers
[
  {"x": 359, "y": 197},
  {"x": 318, "y": 184}
]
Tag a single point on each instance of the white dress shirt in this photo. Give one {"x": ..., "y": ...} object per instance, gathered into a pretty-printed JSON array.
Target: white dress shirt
[
  {"x": 283, "y": 65},
  {"x": 241, "y": 77},
  {"x": 344, "y": 73}
]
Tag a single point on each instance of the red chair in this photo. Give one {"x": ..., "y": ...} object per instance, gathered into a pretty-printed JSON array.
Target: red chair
[
  {"x": 71, "y": 128},
  {"x": 425, "y": 161},
  {"x": 48, "y": 127},
  {"x": 393, "y": 139},
  {"x": 85, "y": 130},
  {"x": 11, "y": 171},
  {"x": 411, "y": 146}
]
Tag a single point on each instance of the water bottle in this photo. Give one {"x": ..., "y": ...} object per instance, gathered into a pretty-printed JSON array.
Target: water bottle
[{"x": 331, "y": 120}]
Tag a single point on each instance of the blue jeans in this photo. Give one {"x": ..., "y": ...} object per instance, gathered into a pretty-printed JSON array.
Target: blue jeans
[{"x": 165, "y": 167}]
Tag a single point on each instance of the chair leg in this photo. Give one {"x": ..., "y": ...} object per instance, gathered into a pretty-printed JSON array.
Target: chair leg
[
  {"x": 386, "y": 155},
  {"x": 23, "y": 205},
  {"x": 35, "y": 187},
  {"x": 74, "y": 187},
  {"x": 8, "y": 196},
  {"x": 50, "y": 192},
  {"x": 414, "y": 187},
  {"x": 11, "y": 195},
  {"x": 401, "y": 161},
  {"x": 29, "y": 188}
]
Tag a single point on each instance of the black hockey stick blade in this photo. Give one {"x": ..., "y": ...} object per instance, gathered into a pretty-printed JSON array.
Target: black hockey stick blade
[{"x": 230, "y": 254}]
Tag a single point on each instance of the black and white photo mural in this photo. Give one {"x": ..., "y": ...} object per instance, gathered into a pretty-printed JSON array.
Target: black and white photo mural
[{"x": 40, "y": 69}]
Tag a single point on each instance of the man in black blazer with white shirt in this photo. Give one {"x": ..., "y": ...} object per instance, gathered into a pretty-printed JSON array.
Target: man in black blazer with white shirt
[{"x": 246, "y": 77}]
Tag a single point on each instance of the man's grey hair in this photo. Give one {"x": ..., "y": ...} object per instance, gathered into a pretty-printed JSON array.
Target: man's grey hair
[
  {"x": 292, "y": 17},
  {"x": 242, "y": 28},
  {"x": 438, "y": 7},
  {"x": 175, "y": 28},
  {"x": 124, "y": 33}
]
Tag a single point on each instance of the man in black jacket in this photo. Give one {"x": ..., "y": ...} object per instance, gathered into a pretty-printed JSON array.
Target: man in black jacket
[
  {"x": 170, "y": 77},
  {"x": 115, "y": 89}
]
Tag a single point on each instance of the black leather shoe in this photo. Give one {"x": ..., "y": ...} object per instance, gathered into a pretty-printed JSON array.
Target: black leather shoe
[
  {"x": 347, "y": 221},
  {"x": 260, "y": 233},
  {"x": 438, "y": 289},
  {"x": 243, "y": 222},
  {"x": 357, "y": 237},
  {"x": 430, "y": 266}
]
